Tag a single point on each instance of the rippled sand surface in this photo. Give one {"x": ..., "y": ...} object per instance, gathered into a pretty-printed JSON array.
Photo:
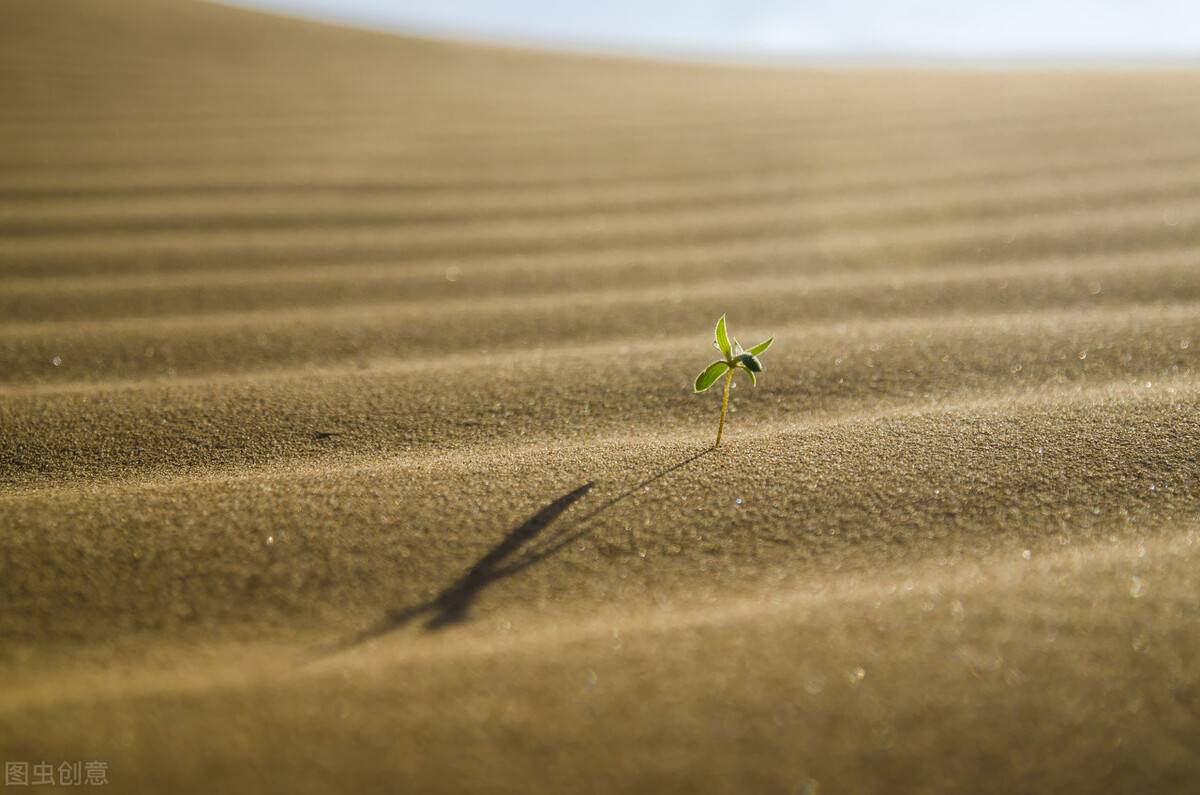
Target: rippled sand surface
[{"x": 347, "y": 441}]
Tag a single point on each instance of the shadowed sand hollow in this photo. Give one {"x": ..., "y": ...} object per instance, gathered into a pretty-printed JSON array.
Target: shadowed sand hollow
[{"x": 347, "y": 441}]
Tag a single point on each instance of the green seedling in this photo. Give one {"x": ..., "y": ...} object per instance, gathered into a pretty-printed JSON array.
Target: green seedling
[{"x": 735, "y": 357}]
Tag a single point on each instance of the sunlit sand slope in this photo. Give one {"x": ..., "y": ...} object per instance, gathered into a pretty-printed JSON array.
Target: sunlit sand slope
[{"x": 347, "y": 441}]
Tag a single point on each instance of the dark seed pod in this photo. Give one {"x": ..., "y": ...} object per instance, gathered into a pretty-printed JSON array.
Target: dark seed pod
[{"x": 750, "y": 362}]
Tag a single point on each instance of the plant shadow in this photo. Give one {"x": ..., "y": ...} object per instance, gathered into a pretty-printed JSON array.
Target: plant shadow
[{"x": 453, "y": 604}]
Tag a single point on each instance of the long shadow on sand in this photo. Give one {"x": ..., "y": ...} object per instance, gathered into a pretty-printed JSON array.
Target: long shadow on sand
[{"x": 452, "y": 605}]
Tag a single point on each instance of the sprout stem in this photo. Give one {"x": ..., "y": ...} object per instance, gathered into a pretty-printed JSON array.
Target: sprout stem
[{"x": 724, "y": 406}]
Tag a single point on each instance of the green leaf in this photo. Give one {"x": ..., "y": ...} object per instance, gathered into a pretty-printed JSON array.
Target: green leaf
[
  {"x": 722, "y": 337},
  {"x": 753, "y": 380},
  {"x": 749, "y": 362},
  {"x": 710, "y": 375},
  {"x": 738, "y": 350},
  {"x": 762, "y": 346}
]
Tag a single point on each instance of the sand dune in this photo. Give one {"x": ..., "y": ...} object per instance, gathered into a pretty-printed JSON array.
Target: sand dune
[{"x": 348, "y": 441}]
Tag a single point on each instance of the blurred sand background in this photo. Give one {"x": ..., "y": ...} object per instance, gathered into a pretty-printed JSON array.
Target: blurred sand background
[{"x": 311, "y": 340}]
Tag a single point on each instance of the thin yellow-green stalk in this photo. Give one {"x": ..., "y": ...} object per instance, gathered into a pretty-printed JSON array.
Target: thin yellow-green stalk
[{"x": 724, "y": 407}]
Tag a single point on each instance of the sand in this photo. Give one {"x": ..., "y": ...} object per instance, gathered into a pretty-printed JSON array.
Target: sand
[{"x": 347, "y": 441}]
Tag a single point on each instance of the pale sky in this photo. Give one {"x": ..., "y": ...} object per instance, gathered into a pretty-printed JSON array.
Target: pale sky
[{"x": 973, "y": 29}]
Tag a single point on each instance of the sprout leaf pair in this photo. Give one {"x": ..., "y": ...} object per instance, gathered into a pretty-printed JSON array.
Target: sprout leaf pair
[{"x": 735, "y": 357}]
